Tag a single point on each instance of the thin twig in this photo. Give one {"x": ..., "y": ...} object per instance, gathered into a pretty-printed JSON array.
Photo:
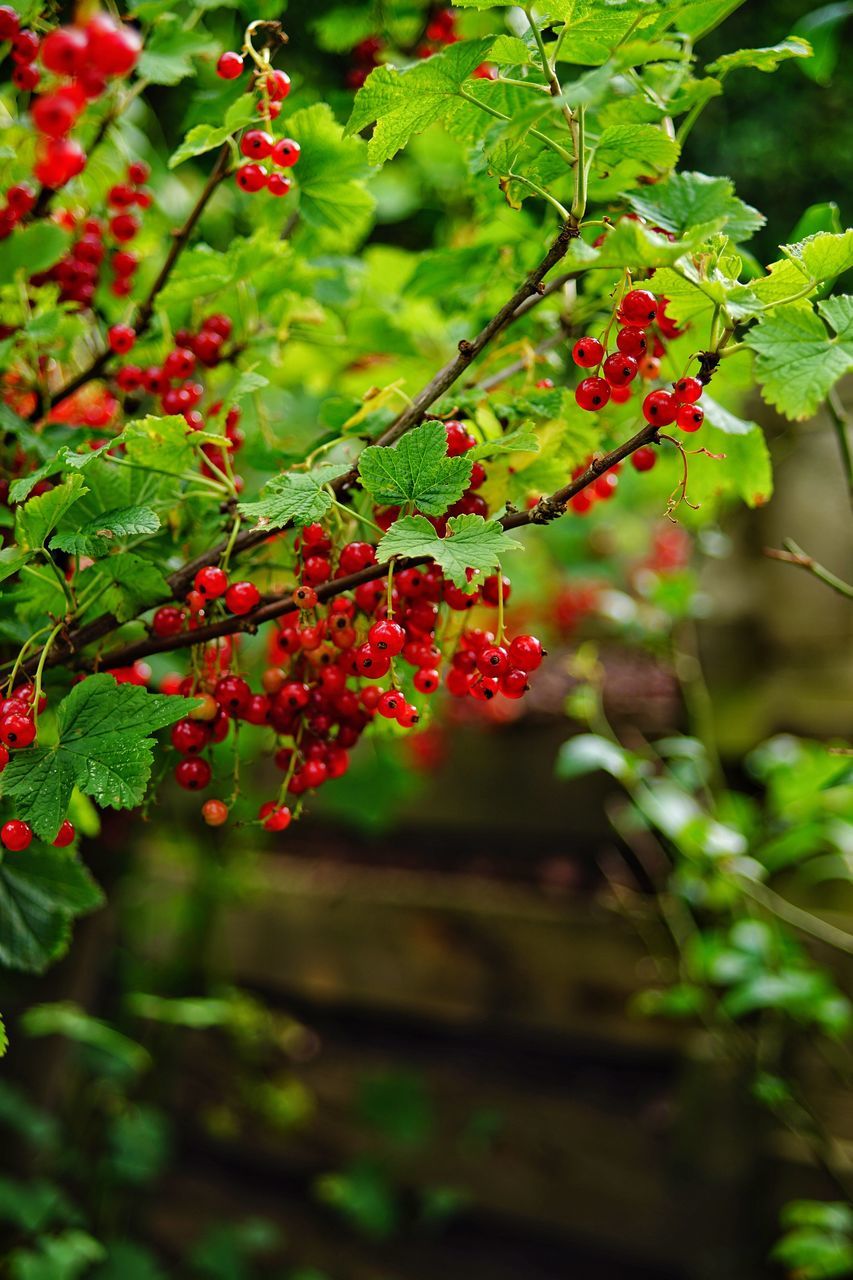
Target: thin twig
[
  {"x": 794, "y": 554},
  {"x": 841, "y": 424}
]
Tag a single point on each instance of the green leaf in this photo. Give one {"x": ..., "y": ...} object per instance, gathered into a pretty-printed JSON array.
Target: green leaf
[
  {"x": 633, "y": 246},
  {"x": 522, "y": 440},
  {"x": 821, "y": 257},
  {"x": 103, "y": 747},
  {"x": 32, "y": 248},
  {"x": 766, "y": 59},
  {"x": 131, "y": 584},
  {"x": 64, "y": 459},
  {"x": 160, "y": 443},
  {"x": 417, "y": 471},
  {"x": 68, "y": 1019},
  {"x": 98, "y": 537},
  {"x": 36, "y": 518},
  {"x": 167, "y": 57},
  {"x": 685, "y": 200},
  {"x": 206, "y": 137},
  {"x": 589, "y": 753},
  {"x": 797, "y": 362},
  {"x": 332, "y": 170},
  {"x": 403, "y": 103},
  {"x": 470, "y": 543},
  {"x": 593, "y": 30},
  {"x": 297, "y": 497},
  {"x": 822, "y": 28},
  {"x": 246, "y": 385},
  {"x": 646, "y": 145},
  {"x": 40, "y": 894},
  {"x": 741, "y": 462}
]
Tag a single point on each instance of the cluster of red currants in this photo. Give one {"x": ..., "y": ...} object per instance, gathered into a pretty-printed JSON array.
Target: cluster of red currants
[
  {"x": 18, "y": 730},
  {"x": 258, "y": 144}
]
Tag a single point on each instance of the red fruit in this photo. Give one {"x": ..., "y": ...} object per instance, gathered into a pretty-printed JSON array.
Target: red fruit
[
  {"x": 285, "y": 153},
  {"x": 25, "y": 77},
  {"x": 124, "y": 263},
  {"x": 643, "y": 459},
  {"x": 276, "y": 817},
  {"x": 688, "y": 390},
  {"x": 65, "y": 835},
  {"x": 211, "y": 582},
  {"x": 305, "y": 597},
  {"x": 620, "y": 395},
  {"x": 356, "y": 555},
  {"x": 486, "y": 688},
  {"x": 387, "y": 637},
  {"x": 233, "y": 694},
  {"x": 278, "y": 85},
  {"x": 25, "y": 47},
  {"x": 256, "y": 144},
  {"x": 371, "y": 663},
  {"x": 20, "y": 199},
  {"x": 241, "y": 597},
  {"x": 660, "y": 408},
  {"x": 17, "y": 730},
  {"x": 631, "y": 341},
  {"x": 526, "y": 653},
  {"x": 54, "y": 113},
  {"x": 10, "y": 23},
  {"x": 230, "y": 65},
  {"x": 15, "y": 835},
  {"x": 408, "y": 716},
  {"x": 193, "y": 774},
  {"x": 581, "y": 502},
  {"x": 189, "y": 736},
  {"x": 113, "y": 47},
  {"x": 426, "y": 680},
  {"x": 592, "y": 394},
  {"x": 459, "y": 440},
  {"x": 64, "y": 51},
  {"x": 689, "y": 417},
  {"x": 138, "y": 172},
  {"x": 493, "y": 586},
  {"x": 251, "y": 177},
  {"x": 121, "y": 338},
  {"x": 4, "y": 757},
  {"x": 215, "y": 812},
  {"x": 619, "y": 370},
  {"x": 605, "y": 485},
  {"x": 649, "y": 367},
  {"x": 458, "y": 682},
  {"x": 278, "y": 185},
  {"x": 168, "y": 621},
  {"x": 639, "y": 307},
  {"x": 390, "y": 703},
  {"x": 124, "y": 226},
  {"x": 587, "y": 352},
  {"x": 258, "y": 710},
  {"x": 294, "y": 696},
  {"x": 492, "y": 660}
]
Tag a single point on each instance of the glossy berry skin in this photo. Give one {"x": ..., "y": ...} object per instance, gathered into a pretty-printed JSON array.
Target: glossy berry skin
[
  {"x": 168, "y": 621},
  {"x": 233, "y": 694},
  {"x": 390, "y": 704},
  {"x": 689, "y": 417},
  {"x": 179, "y": 363},
  {"x": 285, "y": 153},
  {"x": 121, "y": 338},
  {"x": 688, "y": 390},
  {"x": 251, "y": 177},
  {"x": 372, "y": 664},
  {"x": 256, "y": 144},
  {"x": 54, "y": 113},
  {"x": 619, "y": 370},
  {"x": 659, "y": 408},
  {"x": 211, "y": 582},
  {"x": 426, "y": 680},
  {"x": 588, "y": 353},
  {"x": 17, "y": 730},
  {"x": 10, "y": 23},
  {"x": 278, "y": 85},
  {"x": 193, "y": 774},
  {"x": 64, "y": 51},
  {"x": 387, "y": 637},
  {"x": 643, "y": 459},
  {"x": 241, "y": 597},
  {"x": 639, "y": 307},
  {"x": 278, "y": 185},
  {"x": 215, "y": 813},
  {"x": 526, "y": 653},
  {"x": 592, "y": 394},
  {"x": 113, "y": 47},
  {"x": 620, "y": 395},
  {"x": 493, "y": 660},
  {"x": 65, "y": 835},
  {"x": 275, "y": 817},
  {"x": 408, "y": 716},
  {"x": 459, "y": 439},
  {"x": 631, "y": 341},
  {"x": 189, "y": 737},
  {"x": 15, "y": 835},
  {"x": 229, "y": 66},
  {"x": 4, "y": 757}
]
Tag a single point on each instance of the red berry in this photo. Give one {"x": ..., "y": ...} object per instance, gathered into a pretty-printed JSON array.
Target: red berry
[
  {"x": 211, "y": 582},
  {"x": 65, "y": 835},
  {"x": 408, "y": 716},
  {"x": 278, "y": 185},
  {"x": 121, "y": 338},
  {"x": 305, "y": 597},
  {"x": 124, "y": 226},
  {"x": 371, "y": 663},
  {"x": 278, "y": 85},
  {"x": 189, "y": 736},
  {"x": 276, "y": 817},
  {"x": 168, "y": 621},
  {"x": 619, "y": 370},
  {"x": 138, "y": 172},
  {"x": 215, "y": 812},
  {"x": 15, "y": 835},
  {"x": 631, "y": 341},
  {"x": 526, "y": 653},
  {"x": 124, "y": 263},
  {"x": 493, "y": 587},
  {"x": 251, "y": 177},
  {"x": 256, "y": 144},
  {"x": 514, "y": 683},
  {"x": 660, "y": 408},
  {"x": 387, "y": 637},
  {"x": 25, "y": 77},
  {"x": 459, "y": 440},
  {"x": 689, "y": 417},
  {"x": 492, "y": 660},
  {"x": 54, "y": 113},
  {"x": 64, "y": 51},
  {"x": 588, "y": 353},
  {"x": 390, "y": 704},
  {"x": 17, "y": 730},
  {"x": 356, "y": 555},
  {"x": 10, "y": 23},
  {"x": 458, "y": 682},
  {"x": 620, "y": 395},
  {"x": 688, "y": 390},
  {"x": 233, "y": 694},
  {"x": 193, "y": 774},
  {"x": 20, "y": 199},
  {"x": 230, "y": 65},
  {"x": 4, "y": 757},
  {"x": 643, "y": 459},
  {"x": 113, "y": 47},
  {"x": 241, "y": 597},
  {"x": 285, "y": 153},
  {"x": 592, "y": 394},
  {"x": 639, "y": 307},
  {"x": 649, "y": 367},
  {"x": 426, "y": 679}
]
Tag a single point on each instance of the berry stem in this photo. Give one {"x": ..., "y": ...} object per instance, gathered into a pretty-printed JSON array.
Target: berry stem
[{"x": 540, "y": 191}]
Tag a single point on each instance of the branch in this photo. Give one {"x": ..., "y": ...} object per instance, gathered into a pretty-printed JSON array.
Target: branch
[
  {"x": 841, "y": 424},
  {"x": 793, "y": 554}
]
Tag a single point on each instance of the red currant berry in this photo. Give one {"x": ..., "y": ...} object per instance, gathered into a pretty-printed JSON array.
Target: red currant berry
[
  {"x": 588, "y": 353},
  {"x": 408, "y": 716},
  {"x": 25, "y": 77},
  {"x": 179, "y": 363},
  {"x": 278, "y": 185},
  {"x": 592, "y": 394},
  {"x": 211, "y": 582},
  {"x": 649, "y": 367},
  {"x": 256, "y": 144},
  {"x": 619, "y": 370},
  {"x": 65, "y": 835},
  {"x": 124, "y": 227},
  {"x": 526, "y": 653},
  {"x": 215, "y": 812},
  {"x": 17, "y": 730},
  {"x": 459, "y": 439},
  {"x": 688, "y": 390},
  {"x": 485, "y": 688},
  {"x": 387, "y": 637},
  {"x": 514, "y": 682},
  {"x": 241, "y": 597},
  {"x": 689, "y": 417},
  {"x": 138, "y": 172},
  {"x": 371, "y": 663},
  {"x": 495, "y": 587},
  {"x": 113, "y": 48},
  {"x": 305, "y": 597},
  {"x": 10, "y": 23},
  {"x": 251, "y": 177},
  {"x": 189, "y": 736},
  {"x": 278, "y": 85},
  {"x": 54, "y": 113},
  {"x": 168, "y": 621},
  {"x": 390, "y": 704},
  {"x": 492, "y": 660},
  {"x": 21, "y": 199},
  {"x": 458, "y": 682},
  {"x": 121, "y": 338},
  {"x": 15, "y": 835},
  {"x": 659, "y": 408},
  {"x": 286, "y": 153},
  {"x": 631, "y": 342},
  {"x": 193, "y": 774},
  {"x": 230, "y": 65},
  {"x": 233, "y": 694},
  {"x": 276, "y": 817},
  {"x": 4, "y": 757},
  {"x": 643, "y": 459},
  {"x": 639, "y": 307}
]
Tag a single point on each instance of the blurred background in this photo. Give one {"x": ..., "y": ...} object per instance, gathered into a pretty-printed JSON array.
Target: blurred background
[{"x": 409, "y": 1039}]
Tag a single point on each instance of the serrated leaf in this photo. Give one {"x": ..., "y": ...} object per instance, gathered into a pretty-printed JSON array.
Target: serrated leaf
[
  {"x": 417, "y": 471},
  {"x": 331, "y": 173},
  {"x": 64, "y": 460},
  {"x": 297, "y": 497},
  {"x": 131, "y": 584},
  {"x": 32, "y": 248},
  {"x": 684, "y": 200},
  {"x": 160, "y": 443},
  {"x": 471, "y": 543},
  {"x": 403, "y": 103},
  {"x": 103, "y": 748},
  {"x": 167, "y": 57},
  {"x": 40, "y": 894},
  {"x": 521, "y": 440},
  {"x": 741, "y": 463},
  {"x": 821, "y": 257},
  {"x": 797, "y": 361},
  {"x": 37, "y": 517},
  {"x": 246, "y": 385},
  {"x": 635, "y": 247},
  {"x": 645, "y": 145},
  {"x": 98, "y": 537},
  {"x": 766, "y": 59}
]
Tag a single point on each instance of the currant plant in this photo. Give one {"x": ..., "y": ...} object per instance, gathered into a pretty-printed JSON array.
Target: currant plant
[{"x": 166, "y": 322}]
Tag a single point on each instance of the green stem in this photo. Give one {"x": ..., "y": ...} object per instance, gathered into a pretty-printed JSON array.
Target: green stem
[
  {"x": 841, "y": 425},
  {"x": 524, "y": 84},
  {"x": 540, "y": 191},
  {"x": 797, "y": 916},
  {"x": 534, "y": 133},
  {"x": 794, "y": 554},
  {"x": 579, "y": 202}
]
